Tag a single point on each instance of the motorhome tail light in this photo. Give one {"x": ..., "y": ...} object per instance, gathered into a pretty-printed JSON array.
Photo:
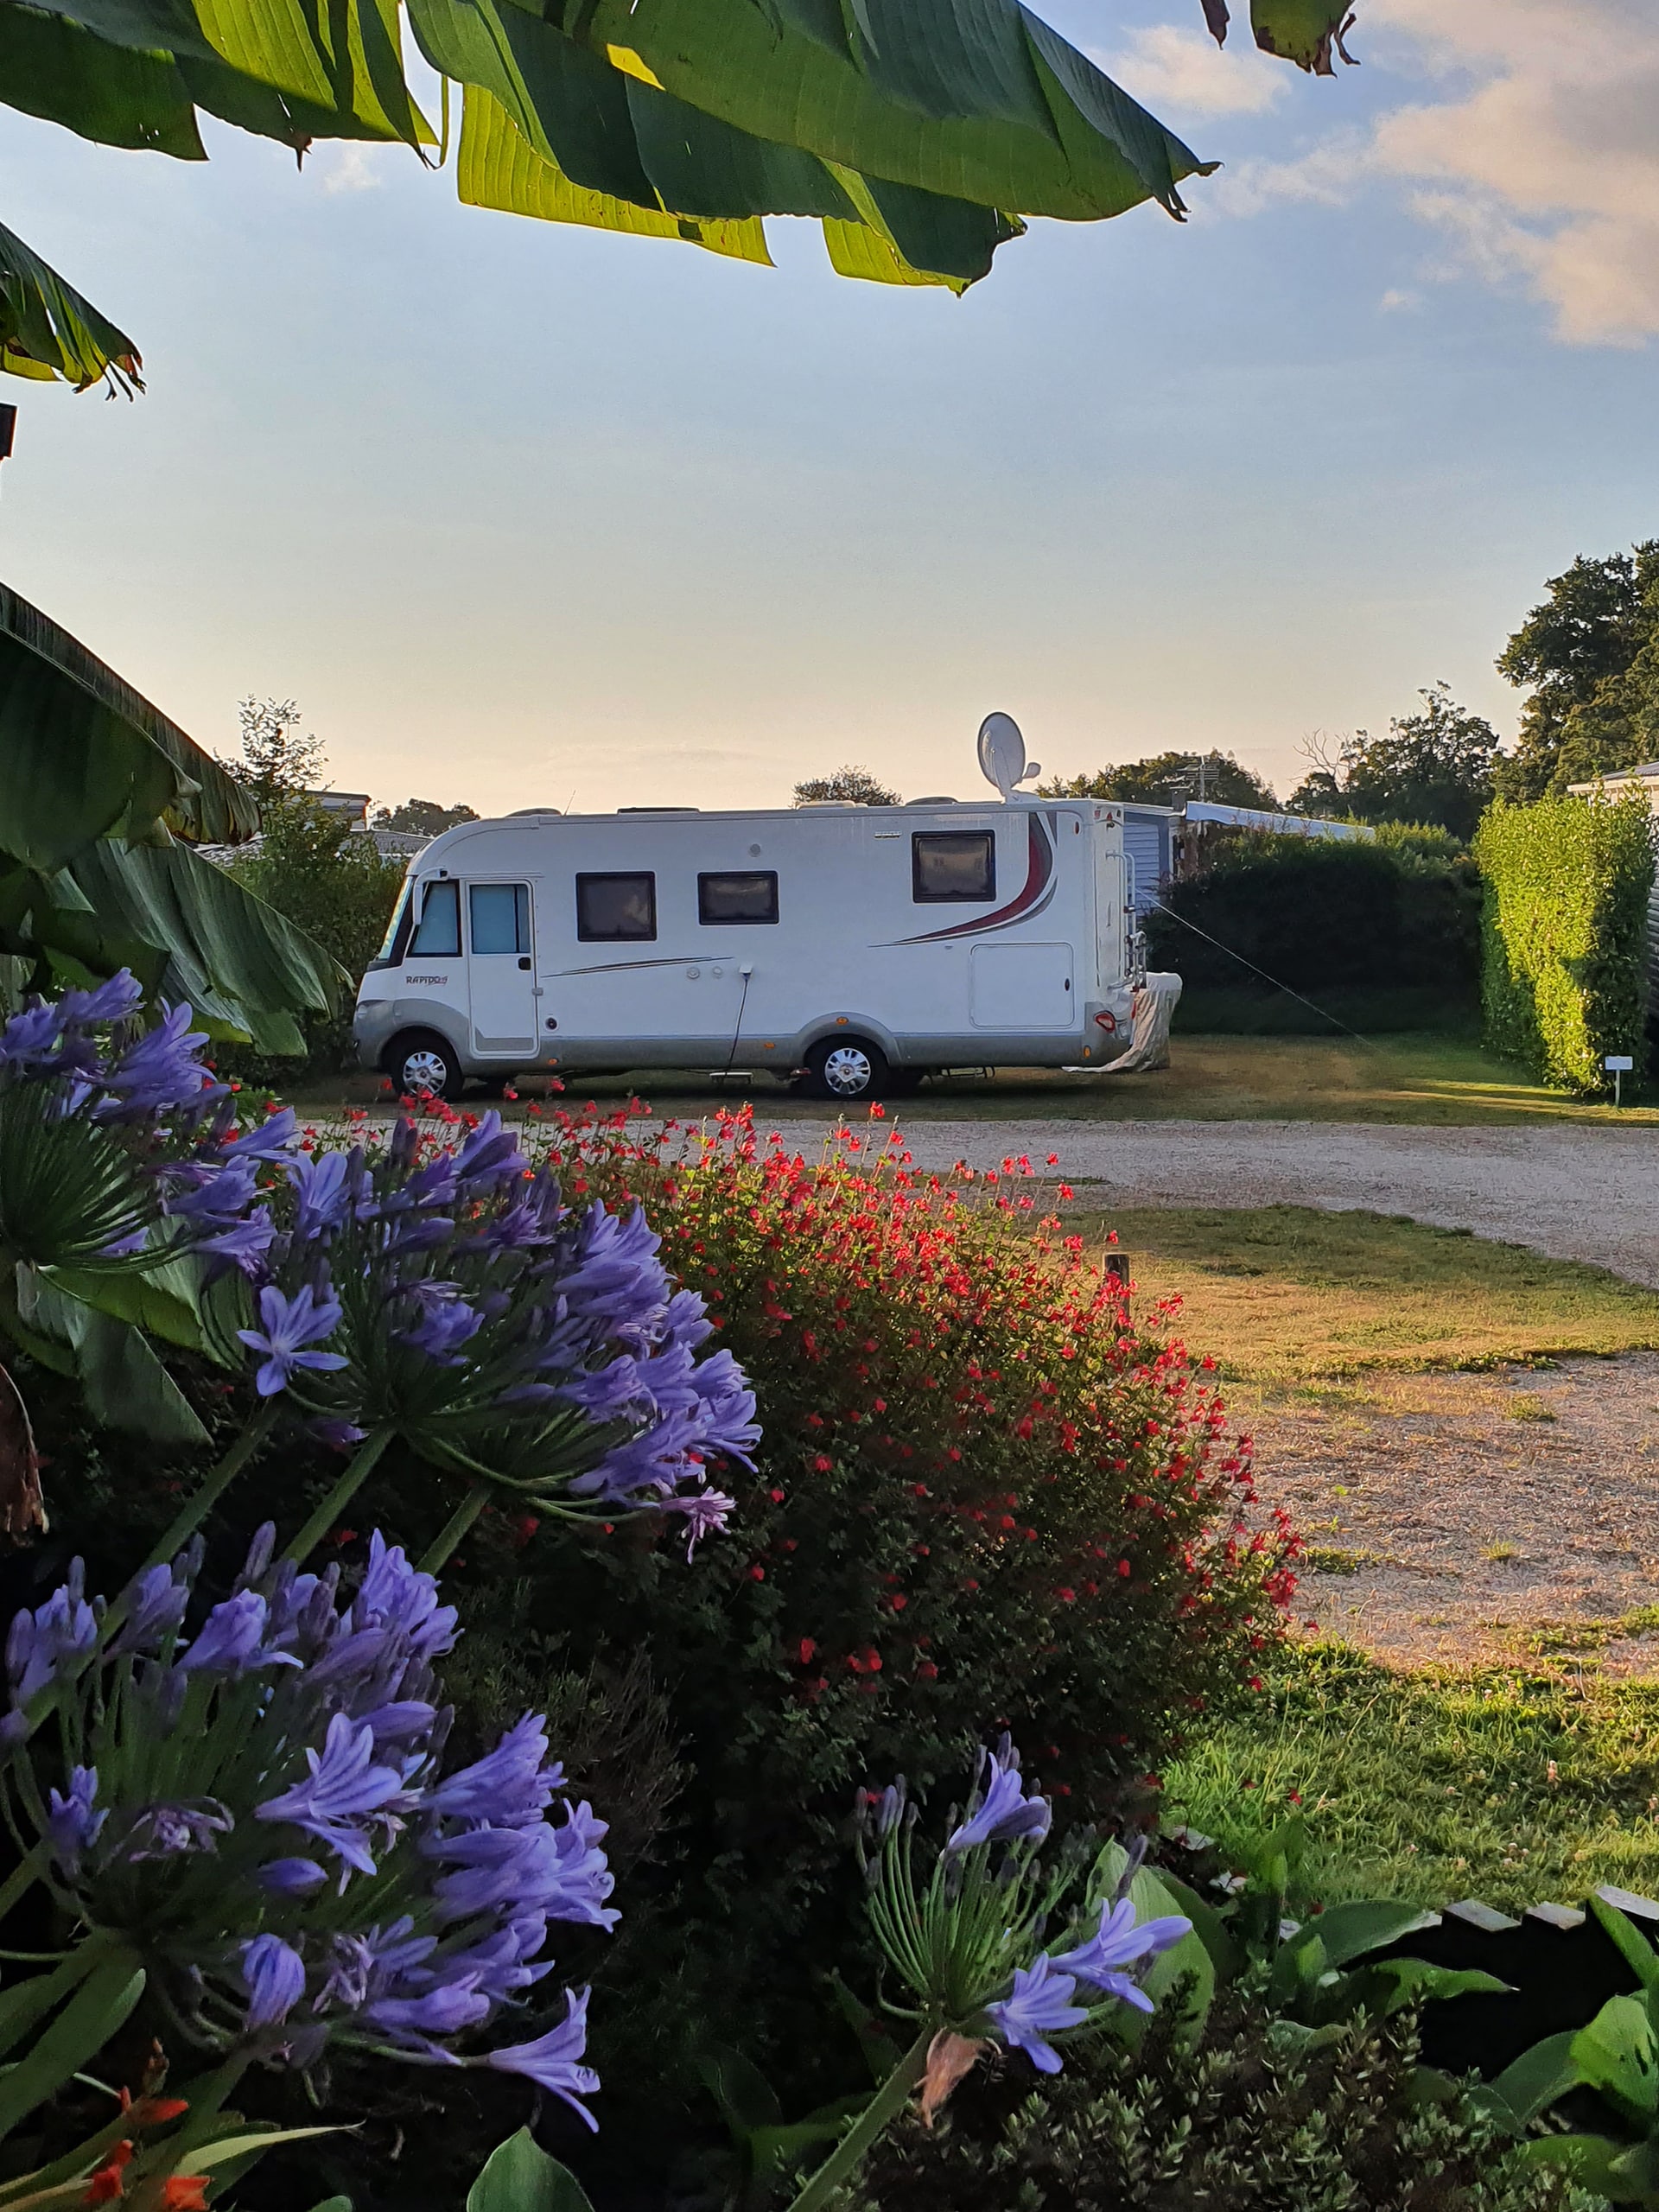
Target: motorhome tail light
[{"x": 1106, "y": 1021}]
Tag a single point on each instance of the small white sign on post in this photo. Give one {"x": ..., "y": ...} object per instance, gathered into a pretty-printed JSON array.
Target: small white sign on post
[{"x": 1618, "y": 1065}]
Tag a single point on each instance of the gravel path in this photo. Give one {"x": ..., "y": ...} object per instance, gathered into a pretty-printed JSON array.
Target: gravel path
[{"x": 1574, "y": 1193}]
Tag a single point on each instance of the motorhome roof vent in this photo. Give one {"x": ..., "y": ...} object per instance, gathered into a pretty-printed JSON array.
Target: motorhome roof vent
[
  {"x": 946, "y": 801},
  {"x": 818, "y": 806},
  {"x": 659, "y": 810},
  {"x": 518, "y": 810}
]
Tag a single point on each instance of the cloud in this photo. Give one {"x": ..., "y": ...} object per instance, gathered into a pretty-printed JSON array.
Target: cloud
[
  {"x": 348, "y": 168},
  {"x": 1395, "y": 300},
  {"x": 1166, "y": 66},
  {"x": 1538, "y": 163}
]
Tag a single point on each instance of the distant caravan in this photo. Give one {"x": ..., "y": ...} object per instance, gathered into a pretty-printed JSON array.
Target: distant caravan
[{"x": 857, "y": 948}]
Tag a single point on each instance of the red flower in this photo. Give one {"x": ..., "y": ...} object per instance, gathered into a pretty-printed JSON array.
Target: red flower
[
  {"x": 805, "y": 1651},
  {"x": 184, "y": 2193},
  {"x": 820, "y": 1465},
  {"x": 757, "y": 1572},
  {"x": 107, "y": 2185}
]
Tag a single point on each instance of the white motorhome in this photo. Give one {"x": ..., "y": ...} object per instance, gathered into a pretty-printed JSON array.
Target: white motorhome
[{"x": 863, "y": 946}]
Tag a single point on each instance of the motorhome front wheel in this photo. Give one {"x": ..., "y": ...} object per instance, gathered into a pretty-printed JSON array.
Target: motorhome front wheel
[
  {"x": 421, "y": 1061},
  {"x": 848, "y": 1067}
]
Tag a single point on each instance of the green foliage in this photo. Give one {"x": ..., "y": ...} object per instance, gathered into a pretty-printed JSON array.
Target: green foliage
[
  {"x": 279, "y": 761},
  {"x": 97, "y": 790},
  {"x": 849, "y": 782},
  {"x": 1434, "y": 767},
  {"x": 1168, "y": 780},
  {"x": 1398, "y": 914},
  {"x": 1245, "y": 2121},
  {"x": 919, "y": 134},
  {"x": 421, "y": 817},
  {"x": 1509, "y": 1783},
  {"x": 1589, "y": 651},
  {"x": 519, "y": 2176},
  {"x": 1565, "y": 935},
  {"x": 982, "y": 1499},
  {"x": 332, "y": 880}
]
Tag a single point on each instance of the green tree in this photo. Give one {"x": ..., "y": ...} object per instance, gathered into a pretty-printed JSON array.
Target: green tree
[
  {"x": 1168, "y": 780},
  {"x": 1590, "y": 653},
  {"x": 921, "y": 136},
  {"x": 423, "y": 817},
  {"x": 277, "y": 761},
  {"x": 852, "y": 783},
  {"x": 1435, "y": 767}
]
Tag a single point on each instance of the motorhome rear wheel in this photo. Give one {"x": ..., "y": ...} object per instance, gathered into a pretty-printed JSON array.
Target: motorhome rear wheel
[{"x": 848, "y": 1068}]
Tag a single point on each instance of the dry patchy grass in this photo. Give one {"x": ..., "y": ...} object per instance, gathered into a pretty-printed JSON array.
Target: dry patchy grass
[{"x": 1289, "y": 1296}]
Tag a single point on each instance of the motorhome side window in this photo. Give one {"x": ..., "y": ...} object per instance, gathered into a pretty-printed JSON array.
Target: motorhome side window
[
  {"x": 949, "y": 864},
  {"x": 500, "y": 917},
  {"x": 738, "y": 895},
  {"x": 439, "y": 934},
  {"x": 613, "y": 908}
]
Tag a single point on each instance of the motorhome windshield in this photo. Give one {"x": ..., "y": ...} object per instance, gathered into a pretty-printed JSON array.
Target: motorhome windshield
[{"x": 396, "y": 936}]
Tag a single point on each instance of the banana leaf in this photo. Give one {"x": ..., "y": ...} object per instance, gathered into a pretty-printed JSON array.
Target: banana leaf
[{"x": 48, "y": 332}]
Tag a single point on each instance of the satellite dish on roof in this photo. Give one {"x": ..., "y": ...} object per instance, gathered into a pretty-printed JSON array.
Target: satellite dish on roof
[{"x": 1002, "y": 753}]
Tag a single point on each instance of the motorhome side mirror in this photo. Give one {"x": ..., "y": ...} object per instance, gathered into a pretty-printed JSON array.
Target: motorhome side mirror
[{"x": 524, "y": 960}]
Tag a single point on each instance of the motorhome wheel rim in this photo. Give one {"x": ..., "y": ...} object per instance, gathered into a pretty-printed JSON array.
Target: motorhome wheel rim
[
  {"x": 425, "y": 1069},
  {"x": 848, "y": 1071}
]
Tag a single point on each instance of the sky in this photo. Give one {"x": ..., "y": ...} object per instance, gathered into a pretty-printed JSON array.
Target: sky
[{"x": 519, "y": 514}]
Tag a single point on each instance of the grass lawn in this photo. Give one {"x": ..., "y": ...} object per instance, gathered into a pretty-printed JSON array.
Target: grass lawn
[
  {"x": 1419, "y": 1077},
  {"x": 1285, "y": 1295},
  {"x": 1508, "y": 1786}
]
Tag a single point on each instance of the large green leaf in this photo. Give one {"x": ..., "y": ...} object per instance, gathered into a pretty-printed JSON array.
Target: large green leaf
[
  {"x": 82, "y": 754},
  {"x": 1092, "y": 152},
  {"x": 1302, "y": 31},
  {"x": 1618, "y": 2055},
  {"x": 245, "y": 970},
  {"x": 48, "y": 331},
  {"x": 499, "y": 167},
  {"x": 126, "y": 1385},
  {"x": 519, "y": 2176},
  {"x": 118, "y": 96}
]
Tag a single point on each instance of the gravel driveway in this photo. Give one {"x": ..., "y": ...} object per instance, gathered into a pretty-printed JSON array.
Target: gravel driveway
[{"x": 1575, "y": 1193}]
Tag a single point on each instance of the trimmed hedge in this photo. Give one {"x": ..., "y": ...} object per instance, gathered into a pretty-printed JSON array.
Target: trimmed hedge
[
  {"x": 1392, "y": 924},
  {"x": 1565, "y": 935}
]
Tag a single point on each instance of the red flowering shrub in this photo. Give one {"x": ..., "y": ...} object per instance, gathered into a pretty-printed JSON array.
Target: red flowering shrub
[{"x": 986, "y": 1498}]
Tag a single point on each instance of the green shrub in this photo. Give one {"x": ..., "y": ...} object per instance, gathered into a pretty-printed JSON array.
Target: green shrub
[
  {"x": 1394, "y": 919},
  {"x": 1251, "y": 2121},
  {"x": 313, "y": 867},
  {"x": 984, "y": 1498},
  {"x": 1565, "y": 935}
]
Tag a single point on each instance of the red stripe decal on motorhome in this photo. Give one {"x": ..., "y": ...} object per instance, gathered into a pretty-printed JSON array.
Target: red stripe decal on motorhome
[{"x": 1039, "y": 870}]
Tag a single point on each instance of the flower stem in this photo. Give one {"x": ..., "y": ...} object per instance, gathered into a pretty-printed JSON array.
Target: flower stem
[
  {"x": 358, "y": 1469},
  {"x": 884, "y": 2106},
  {"x": 191, "y": 1516},
  {"x": 18, "y": 1883},
  {"x": 456, "y": 1528}
]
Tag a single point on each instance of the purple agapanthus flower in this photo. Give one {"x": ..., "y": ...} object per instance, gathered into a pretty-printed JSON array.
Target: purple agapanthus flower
[
  {"x": 168, "y": 1831},
  {"x": 233, "y": 1639},
  {"x": 271, "y": 1140},
  {"x": 1118, "y": 1944},
  {"x": 551, "y": 2061},
  {"x": 509, "y": 1786},
  {"x": 445, "y": 1323},
  {"x": 73, "y": 1820},
  {"x": 53, "y": 1640},
  {"x": 1038, "y": 2005},
  {"x": 705, "y": 1512},
  {"x": 291, "y": 1877},
  {"x": 346, "y": 1789},
  {"x": 273, "y": 1973},
  {"x": 162, "y": 1069},
  {"x": 1005, "y": 1814},
  {"x": 292, "y": 1324}
]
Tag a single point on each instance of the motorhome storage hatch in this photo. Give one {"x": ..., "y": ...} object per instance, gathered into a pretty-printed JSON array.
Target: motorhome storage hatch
[{"x": 864, "y": 946}]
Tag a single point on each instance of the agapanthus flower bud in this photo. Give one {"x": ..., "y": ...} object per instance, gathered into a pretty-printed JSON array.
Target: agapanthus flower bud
[{"x": 274, "y": 1972}]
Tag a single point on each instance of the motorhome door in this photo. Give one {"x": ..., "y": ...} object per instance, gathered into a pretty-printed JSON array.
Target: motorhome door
[{"x": 501, "y": 967}]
